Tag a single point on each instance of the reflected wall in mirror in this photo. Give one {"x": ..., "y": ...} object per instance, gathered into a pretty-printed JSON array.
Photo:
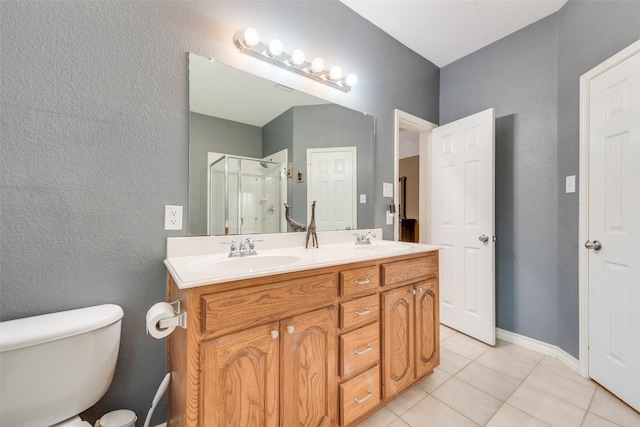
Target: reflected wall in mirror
[{"x": 255, "y": 145}]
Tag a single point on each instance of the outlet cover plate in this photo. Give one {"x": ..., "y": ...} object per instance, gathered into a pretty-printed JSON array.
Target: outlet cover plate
[{"x": 173, "y": 217}]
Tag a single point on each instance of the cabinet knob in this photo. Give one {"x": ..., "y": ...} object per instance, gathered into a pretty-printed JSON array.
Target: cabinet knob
[
  {"x": 413, "y": 291},
  {"x": 420, "y": 290},
  {"x": 290, "y": 329},
  {"x": 274, "y": 334}
]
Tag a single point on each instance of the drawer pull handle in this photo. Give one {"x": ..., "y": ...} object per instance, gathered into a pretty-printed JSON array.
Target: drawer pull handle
[
  {"x": 363, "y": 313},
  {"x": 364, "y": 399},
  {"x": 366, "y": 350},
  {"x": 363, "y": 282}
]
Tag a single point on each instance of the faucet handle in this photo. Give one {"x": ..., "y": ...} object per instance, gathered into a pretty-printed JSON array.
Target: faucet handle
[{"x": 233, "y": 248}]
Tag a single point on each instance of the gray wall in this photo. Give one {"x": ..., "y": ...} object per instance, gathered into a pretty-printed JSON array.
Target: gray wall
[
  {"x": 532, "y": 79},
  {"x": 212, "y": 134},
  {"x": 94, "y": 143},
  {"x": 325, "y": 126},
  {"x": 590, "y": 32}
]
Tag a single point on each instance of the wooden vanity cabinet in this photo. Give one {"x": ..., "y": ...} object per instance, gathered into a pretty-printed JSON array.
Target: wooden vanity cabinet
[
  {"x": 410, "y": 325},
  {"x": 240, "y": 378},
  {"x": 250, "y": 377},
  {"x": 398, "y": 323},
  {"x": 323, "y": 347}
]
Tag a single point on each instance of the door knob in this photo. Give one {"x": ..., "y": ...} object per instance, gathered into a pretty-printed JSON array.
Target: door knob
[
  {"x": 595, "y": 245},
  {"x": 484, "y": 238}
]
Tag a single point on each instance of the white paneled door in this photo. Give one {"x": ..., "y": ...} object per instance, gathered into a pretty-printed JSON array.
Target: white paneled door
[
  {"x": 614, "y": 230},
  {"x": 462, "y": 223},
  {"x": 332, "y": 184}
]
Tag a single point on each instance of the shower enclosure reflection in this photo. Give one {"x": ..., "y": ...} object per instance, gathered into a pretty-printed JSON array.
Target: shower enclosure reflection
[{"x": 245, "y": 195}]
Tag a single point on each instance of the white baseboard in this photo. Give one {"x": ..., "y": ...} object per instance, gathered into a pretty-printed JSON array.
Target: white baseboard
[{"x": 541, "y": 347}]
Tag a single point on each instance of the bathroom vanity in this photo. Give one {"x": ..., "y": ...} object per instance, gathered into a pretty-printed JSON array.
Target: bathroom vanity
[{"x": 322, "y": 338}]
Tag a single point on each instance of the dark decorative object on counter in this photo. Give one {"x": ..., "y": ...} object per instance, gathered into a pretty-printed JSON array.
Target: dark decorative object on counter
[
  {"x": 295, "y": 226},
  {"x": 311, "y": 230}
]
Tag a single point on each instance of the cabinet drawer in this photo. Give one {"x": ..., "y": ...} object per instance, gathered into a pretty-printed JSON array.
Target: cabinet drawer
[
  {"x": 359, "y": 281},
  {"x": 359, "y": 349},
  {"x": 359, "y": 312},
  {"x": 231, "y": 311},
  {"x": 407, "y": 271},
  {"x": 359, "y": 395}
]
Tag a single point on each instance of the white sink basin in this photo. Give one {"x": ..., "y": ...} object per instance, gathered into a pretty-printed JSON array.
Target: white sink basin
[
  {"x": 250, "y": 264},
  {"x": 384, "y": 247},
  {"x": 200, "y": 267}
]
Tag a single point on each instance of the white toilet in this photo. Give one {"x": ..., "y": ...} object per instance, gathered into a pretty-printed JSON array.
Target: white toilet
[{"x": 54, "y": 366}]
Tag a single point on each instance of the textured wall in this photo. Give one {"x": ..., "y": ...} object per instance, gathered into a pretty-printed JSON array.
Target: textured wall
[
  {"x": 532, "y": 79},
  {"x": 518, "y": 77},
  {"x": 94, "y": 143},
  {"x": 590, "y": 32}
]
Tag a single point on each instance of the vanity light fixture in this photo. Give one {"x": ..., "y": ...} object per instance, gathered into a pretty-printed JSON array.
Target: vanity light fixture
[{"x": 248, "y": 42}]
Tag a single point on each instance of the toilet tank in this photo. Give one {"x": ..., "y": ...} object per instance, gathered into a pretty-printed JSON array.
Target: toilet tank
[{"x": 54, "y": 366}]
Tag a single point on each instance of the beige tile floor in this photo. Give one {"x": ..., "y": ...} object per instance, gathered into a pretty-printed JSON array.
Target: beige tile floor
[{"x": 502, "y": 386}]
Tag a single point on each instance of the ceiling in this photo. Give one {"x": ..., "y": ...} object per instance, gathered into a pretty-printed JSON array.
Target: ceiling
[
  {"x": 248, "y": 98},
  {"x": 444, "y": 31}
]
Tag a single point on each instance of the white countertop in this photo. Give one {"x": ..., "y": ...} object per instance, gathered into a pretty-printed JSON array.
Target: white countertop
[{"x": 198, "y": 261}]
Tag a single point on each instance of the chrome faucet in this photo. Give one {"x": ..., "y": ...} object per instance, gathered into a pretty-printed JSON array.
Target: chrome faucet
[
  {"x": 246, "y": 247},
  {"x": 364, "y": 238}
]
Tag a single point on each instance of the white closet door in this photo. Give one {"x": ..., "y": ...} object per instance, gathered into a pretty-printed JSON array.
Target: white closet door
[{"x": 614, "y": 226}]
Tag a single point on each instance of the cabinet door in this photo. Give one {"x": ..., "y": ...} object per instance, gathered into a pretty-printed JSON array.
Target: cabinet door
[
  {"x": 240, "y": 379},
  {"x": 398, "y": 340},
  {"x": 308, "y": 360},
  {"x": 427, "y": 327}
]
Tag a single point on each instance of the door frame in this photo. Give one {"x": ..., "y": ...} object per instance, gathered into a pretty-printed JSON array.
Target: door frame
[
  {"x": 583, "y": 200},
  {"x": 423, "y": 128}
]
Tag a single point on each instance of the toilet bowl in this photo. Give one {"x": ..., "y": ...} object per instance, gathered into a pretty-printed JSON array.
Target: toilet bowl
[{"x": 55, "y": 366}]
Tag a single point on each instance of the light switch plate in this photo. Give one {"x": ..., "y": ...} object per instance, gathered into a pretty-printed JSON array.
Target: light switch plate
[
  {"x": 387, "y": 189},
  {"x": 363, "y": 198},
  {"x": 570, "y": 184},
  {"x": 389, "y": 218}
]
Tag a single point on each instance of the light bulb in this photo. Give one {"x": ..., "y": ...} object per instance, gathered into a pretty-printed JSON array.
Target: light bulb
[
  {"x": 351, "y": 80},
  {"x": 251, "y": 37},
  {"x": 335, "y": 73},
  {"x": 275, "y": 47},
  {"x": 297, "y": 57},
  {"x": 317, "y": 65}
]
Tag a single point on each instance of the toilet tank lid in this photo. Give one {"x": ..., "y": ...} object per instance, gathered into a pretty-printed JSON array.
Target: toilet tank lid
[{"x": 29, "y": 331}]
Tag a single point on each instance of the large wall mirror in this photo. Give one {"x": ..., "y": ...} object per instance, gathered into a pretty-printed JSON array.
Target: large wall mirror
[{"x": 260, "y": 153}]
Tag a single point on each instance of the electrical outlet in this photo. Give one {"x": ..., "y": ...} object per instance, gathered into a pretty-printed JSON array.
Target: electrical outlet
[
  {"x": 173, "y": 217},
  {"x": 389, "y": 218}
]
